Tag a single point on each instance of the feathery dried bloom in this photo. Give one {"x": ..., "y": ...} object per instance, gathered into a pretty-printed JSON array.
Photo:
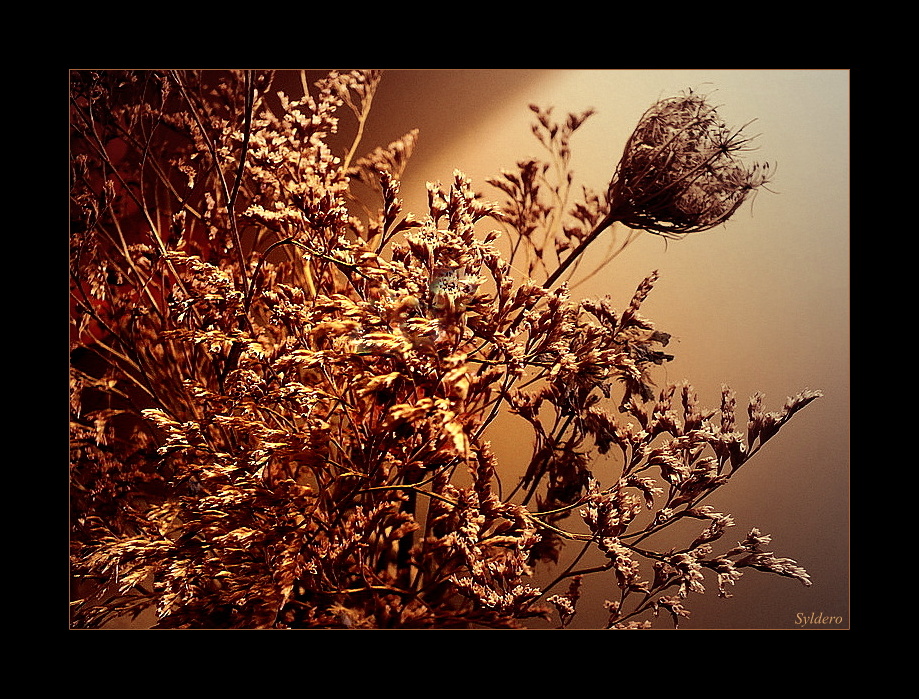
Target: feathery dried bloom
[{"x": 681, "y": 171}]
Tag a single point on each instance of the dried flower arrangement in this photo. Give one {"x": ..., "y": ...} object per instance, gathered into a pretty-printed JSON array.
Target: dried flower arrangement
[{"x": 281, "y": 391}]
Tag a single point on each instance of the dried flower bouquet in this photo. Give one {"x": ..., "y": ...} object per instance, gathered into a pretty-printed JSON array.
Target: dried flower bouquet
[{"x": 282, "y": 387}]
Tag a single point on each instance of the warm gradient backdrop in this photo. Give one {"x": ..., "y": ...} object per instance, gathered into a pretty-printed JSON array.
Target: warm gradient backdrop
[{"x": 759, "y": 304}]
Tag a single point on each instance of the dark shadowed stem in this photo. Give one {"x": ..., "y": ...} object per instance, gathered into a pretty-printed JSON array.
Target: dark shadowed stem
[
  {"x": 610, "y": 219},
  {"x": 247, "y": 131},
  {"x": 554, "y": 440},
  {"x": 567, "y": 573}
]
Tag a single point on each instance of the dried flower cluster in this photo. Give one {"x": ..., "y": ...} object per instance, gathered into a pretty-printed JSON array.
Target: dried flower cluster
[{"x": 282, "y": 392}]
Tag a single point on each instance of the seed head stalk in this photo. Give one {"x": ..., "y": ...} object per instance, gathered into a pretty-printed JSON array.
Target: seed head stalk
[
  {"x": 680, "y": 173},
  {"x": 608, "y": 221}
]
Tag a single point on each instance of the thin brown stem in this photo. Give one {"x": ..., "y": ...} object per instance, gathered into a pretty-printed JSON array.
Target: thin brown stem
[{"x": 608, "y": 221}]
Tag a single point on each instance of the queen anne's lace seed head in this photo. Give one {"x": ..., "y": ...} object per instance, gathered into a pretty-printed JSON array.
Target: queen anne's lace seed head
[{"x": 681, "y": 171}]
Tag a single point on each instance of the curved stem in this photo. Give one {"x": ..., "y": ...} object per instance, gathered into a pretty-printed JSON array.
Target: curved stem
[
  {"x": 568, "y": 571},
  {"x": 247, "y": 132}
]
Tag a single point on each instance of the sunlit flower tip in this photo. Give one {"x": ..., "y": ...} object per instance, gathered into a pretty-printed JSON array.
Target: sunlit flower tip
[{"x": 681, "y": 171}]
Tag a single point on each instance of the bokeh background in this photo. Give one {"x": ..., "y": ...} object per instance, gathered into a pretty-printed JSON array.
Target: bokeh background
[{"x": 760, "y": 304}]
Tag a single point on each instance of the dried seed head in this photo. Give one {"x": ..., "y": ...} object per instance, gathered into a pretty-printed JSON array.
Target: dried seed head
[{"x": 680, "y": 172}]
